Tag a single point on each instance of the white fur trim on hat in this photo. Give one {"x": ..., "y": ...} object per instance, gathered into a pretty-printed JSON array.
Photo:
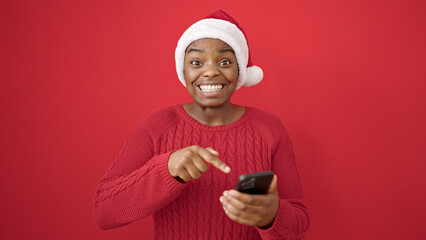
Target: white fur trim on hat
[{"x": 227, "y": 32}]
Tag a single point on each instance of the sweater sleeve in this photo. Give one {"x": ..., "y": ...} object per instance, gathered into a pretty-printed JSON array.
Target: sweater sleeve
[
  {"x": 136, "y": 185},
  {"x": 291, "y": 221}
]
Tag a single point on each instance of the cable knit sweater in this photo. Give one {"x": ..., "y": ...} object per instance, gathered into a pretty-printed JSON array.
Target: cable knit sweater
[{"x": 139, "y": 184}]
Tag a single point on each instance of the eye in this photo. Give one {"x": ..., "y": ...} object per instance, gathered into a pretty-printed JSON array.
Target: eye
[
  {"x": 224, "y": 62},
  {"x": 195, "y": 63}
]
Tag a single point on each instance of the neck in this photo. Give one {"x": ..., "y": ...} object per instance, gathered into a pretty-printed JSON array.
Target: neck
[{"x": 215, "y": 116}]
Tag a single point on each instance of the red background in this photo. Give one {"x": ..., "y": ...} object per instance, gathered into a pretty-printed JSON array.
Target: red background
[{"x": 347, "y": 78}]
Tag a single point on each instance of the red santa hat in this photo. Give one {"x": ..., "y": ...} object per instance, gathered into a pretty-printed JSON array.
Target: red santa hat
[{"x": 220, "y": 25}]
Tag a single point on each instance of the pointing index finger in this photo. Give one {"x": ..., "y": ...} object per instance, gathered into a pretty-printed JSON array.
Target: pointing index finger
[{"x": 209, "y": 155}]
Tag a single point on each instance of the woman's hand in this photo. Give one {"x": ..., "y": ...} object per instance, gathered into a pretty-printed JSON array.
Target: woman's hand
[
  {"x": 252, "y": 209},
  {"x": 190, "y": 162}
]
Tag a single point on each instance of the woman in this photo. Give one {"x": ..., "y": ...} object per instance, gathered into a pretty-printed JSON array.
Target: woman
[{"x": 181, "y": 163}]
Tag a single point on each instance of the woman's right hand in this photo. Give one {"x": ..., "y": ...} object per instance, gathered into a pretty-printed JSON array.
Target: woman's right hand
[{"x": 190, "y": 162}]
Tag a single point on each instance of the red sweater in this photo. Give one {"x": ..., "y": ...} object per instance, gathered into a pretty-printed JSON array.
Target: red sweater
[{"x": 139, "y": 184}]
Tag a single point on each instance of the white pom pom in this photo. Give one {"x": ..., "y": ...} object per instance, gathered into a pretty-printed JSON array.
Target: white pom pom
[{"x": 254, "y": 76}]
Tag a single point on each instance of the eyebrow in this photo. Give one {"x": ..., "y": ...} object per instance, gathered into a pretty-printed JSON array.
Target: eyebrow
[
  {"x": 195, "y": 50},
  {"x": 226, "y": 50},
  {"x": 202, "y": 51}
]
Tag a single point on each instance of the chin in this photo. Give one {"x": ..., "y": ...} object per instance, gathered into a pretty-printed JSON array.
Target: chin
[{"x": 211, "y": 103}]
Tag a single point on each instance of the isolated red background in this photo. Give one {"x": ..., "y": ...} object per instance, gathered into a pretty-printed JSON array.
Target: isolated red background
[{"x": 347, "y": 78}]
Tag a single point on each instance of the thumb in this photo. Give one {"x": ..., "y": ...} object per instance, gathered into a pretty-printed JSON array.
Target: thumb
[
  {"x": 211, "y": 150},
  {"x": 273, "y": 186}
]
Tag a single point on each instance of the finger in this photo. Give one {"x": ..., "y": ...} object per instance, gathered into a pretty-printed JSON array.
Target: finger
[
  {"x": 238, "y": 219},
  {"x": 214, "y": 152},
  {"x": 250, "y": 199},
  {"x": 193, "y": 171},
  {"x": 242, "y": 207},
  {"x": 236, "y": 204},
  {"x": 213, "y": 160},
  {"x": 273, "y": 185},
  {"x": 200, "y": 164},
  {"x": 232, "y": 209},
  {"x": 184, "y": 175}
]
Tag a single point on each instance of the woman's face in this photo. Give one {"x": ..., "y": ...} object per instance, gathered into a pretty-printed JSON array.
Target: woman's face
[{"x": 211, "y": 72}]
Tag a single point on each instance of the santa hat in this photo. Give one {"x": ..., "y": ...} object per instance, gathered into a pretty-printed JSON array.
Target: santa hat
[{"x": 220, "y": 25}]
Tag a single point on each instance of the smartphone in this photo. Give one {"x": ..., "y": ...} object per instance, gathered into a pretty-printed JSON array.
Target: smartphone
[{"x": 255, "y": 183}]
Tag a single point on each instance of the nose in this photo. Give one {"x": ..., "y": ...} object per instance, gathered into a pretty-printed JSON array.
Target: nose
[{"x": 211, "y": 70}]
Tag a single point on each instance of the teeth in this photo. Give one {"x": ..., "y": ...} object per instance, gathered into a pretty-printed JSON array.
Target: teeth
[{"x": 211, "y": 88}]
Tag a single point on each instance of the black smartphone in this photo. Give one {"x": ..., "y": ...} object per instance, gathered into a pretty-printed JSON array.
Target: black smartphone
[{"x": 255, "y": 183}]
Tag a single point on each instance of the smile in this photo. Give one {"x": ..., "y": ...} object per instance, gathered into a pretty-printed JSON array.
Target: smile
[{"x": 211, "y": 88}]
